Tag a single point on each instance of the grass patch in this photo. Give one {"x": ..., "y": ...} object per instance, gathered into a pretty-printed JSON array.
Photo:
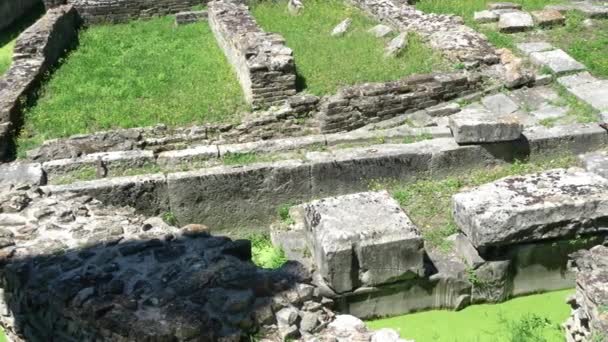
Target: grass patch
[
  {"x": 428, "y": 202},
  {"x": 588, "y": 45},
  {"x": 326, "y": 63},
  {"x": 525, "y": 319},
  {"x": 264, "y": 254},
  {"x": 137, "y": 74},
  {"x": 10, "y": 34}
]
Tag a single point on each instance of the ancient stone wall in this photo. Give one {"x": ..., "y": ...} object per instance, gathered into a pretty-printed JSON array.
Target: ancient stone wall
[
  {"x": 72, "y": 269},
  {"x": 359, "y": 105},
  {"x": 11, "y": 11},
  {"x": 263, "y": 63},
  {"x": 36, "y": 51},
  {"x": 588, "y": 321},
  {"x": 115, "y": 11},
  {"x": 446, "y": 33}
]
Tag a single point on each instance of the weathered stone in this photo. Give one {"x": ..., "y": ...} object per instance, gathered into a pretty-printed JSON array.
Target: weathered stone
[
  {"x": 386, "y": 335},
  {"x": 557, "y": 61},
  {"x": 596, "y": 162},
  {"x": 588, "y": 320},
  {"x": 490, "y": 282},
  {"x": 528, "y": 48},
  {"x": 500, "y": 104},
  {"x": 347, "y": 322},
  {"x": 587, "y": 88},
  {"x": 503, "y": 5},
  {"x": 342, "y": 27},
  {"x": 369, "y": 228},
  {"x": 515, "y": 22},
  {"x": 478, "y": 126},
  {"x": 189, "y": 17},
  {"x": 465, "y": 250},
  {"x": 295, "y": 7},
  {"x": 552, "y": 204},
  {"x": 484, "y": 17},
  {"x": 549, "y": 111},
  {"x": 287, "y": 316},
  {"x": 548, "y": 17},
  {"x": 396, "y": 45},
  {"x": 21, "y": 173},
  {"x": 380, "y": 30}
]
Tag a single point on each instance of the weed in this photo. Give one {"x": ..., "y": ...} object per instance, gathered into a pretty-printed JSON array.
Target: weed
[
  {"x": 284, "y": 215},
  {"x": 239, "y": 158},
  {"x": 170, "y": 219},
  {"x": 530, "y": 327},
  {"x": 264, "y": 254}
]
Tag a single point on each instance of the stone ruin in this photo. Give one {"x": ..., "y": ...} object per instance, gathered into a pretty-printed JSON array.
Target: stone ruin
[{"x": 93, "y": 261}]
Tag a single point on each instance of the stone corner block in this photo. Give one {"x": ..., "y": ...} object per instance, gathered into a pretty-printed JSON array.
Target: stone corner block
[
  {"x": 478, "y": 126},
  {"x": 363, "y": 239}
]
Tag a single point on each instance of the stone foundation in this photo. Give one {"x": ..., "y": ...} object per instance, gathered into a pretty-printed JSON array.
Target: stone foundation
[
  {"x": 117, "y": 11},
  {"x": 446, "y": 33},
  {"x": 263, "y": 63},
  {"x": 36, "y": 51},
  {"x": 360, "y": 105},
  {"x": 588, "y": 321}
]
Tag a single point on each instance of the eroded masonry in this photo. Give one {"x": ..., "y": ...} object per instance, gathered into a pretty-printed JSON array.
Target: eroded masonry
[{"x": 122, "y": 235}]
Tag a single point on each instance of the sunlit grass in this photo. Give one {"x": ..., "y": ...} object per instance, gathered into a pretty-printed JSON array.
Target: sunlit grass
[
  {"x": 326, "y": 63},
  {"x": 137, "y": 74}
]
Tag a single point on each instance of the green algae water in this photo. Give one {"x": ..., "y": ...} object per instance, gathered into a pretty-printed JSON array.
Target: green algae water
[{"x": 534, "y": 318}]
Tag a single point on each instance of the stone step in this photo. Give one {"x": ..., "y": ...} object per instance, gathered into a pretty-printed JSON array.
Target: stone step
[
  {"x": 587, "y": 88},
  {"x": 554, "y": 204},
  {"x": 557, "y": 61}
]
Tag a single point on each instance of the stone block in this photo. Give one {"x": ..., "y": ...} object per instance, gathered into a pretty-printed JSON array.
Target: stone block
[
  {"x": 396, "y": 45},
  {"x": 548, "y": 205},
  {"x": 363, "y": 239},
  {"x": 548, "y": 17},
  {"x": 515, "y": 22},
  {"x": 499, "y": 104},
  {"x": 189, "y": 155},
  {"x": 596, "y": 162},
  {"x": 342, "y": 28},
  {"x": 189, "y": 17},
  {"x": 479, "y": 126},
  {"x": 503, "y": 5},
  {"x": 380, "y": 30},
  {"x": 528, "y": 48},
  {"x": 484, "y": 17},
  {"x": 557, "y": 61},
  {"x": 21, "y": 173}
]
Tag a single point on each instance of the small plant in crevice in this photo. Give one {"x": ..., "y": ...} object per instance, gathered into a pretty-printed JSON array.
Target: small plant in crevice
[
  {"x": 235, "y": 158},
  {"x": 170, "y": 219},
  {"x": 265, "y": 254},
  {"x": 284, "y": 216}
]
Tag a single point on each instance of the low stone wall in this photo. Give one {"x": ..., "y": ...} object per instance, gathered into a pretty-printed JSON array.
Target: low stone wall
[
  {"x": 588, "y": 321},
  {"x": 12, "y": 11},
  {"x": 263, "y": 63},
  {"x": 446, "y": 33},
  {"x": 116, "y": 11},
  {"x": 36, "y": 51},
  {"x": 359, "y": 105},
  {"x": 229, "y": 197}
]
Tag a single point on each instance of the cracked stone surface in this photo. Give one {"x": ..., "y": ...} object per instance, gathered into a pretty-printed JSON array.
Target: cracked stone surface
[
  {"x": 558, "y": 61},
  {"x": 553, "y": 204},
  {"x": 363, "y": 239},
  {"x": 482, "y": 126}
]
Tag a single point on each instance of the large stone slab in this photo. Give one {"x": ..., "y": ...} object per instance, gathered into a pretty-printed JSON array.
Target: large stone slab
[
  {"x": 472, "y": 126},
  {"x": 548, "y": 17},
  {"x": 515, "y": 22},
  {"x": 362, "y": 239},
  {"x": 588, "y": 89},
  {"x": 528, "y": 48},
  {"x": 557, "y": 61},
  {"x": 553, "y": 204},
  {"x": 596, "y": 162},
  {"x": 21, "y": 173}
]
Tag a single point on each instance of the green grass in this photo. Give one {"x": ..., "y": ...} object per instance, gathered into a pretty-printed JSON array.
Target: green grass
[
  {"x": 587, "y": 45},
  {"x": 326, "y": 63},
  {"x": 534, "y": 318},
  {"x": 428, "y": 201},
  {"x": 137, "y": 74},
  {"x": 265, "y": 255},
  {"x": 10, "y": 34}
]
